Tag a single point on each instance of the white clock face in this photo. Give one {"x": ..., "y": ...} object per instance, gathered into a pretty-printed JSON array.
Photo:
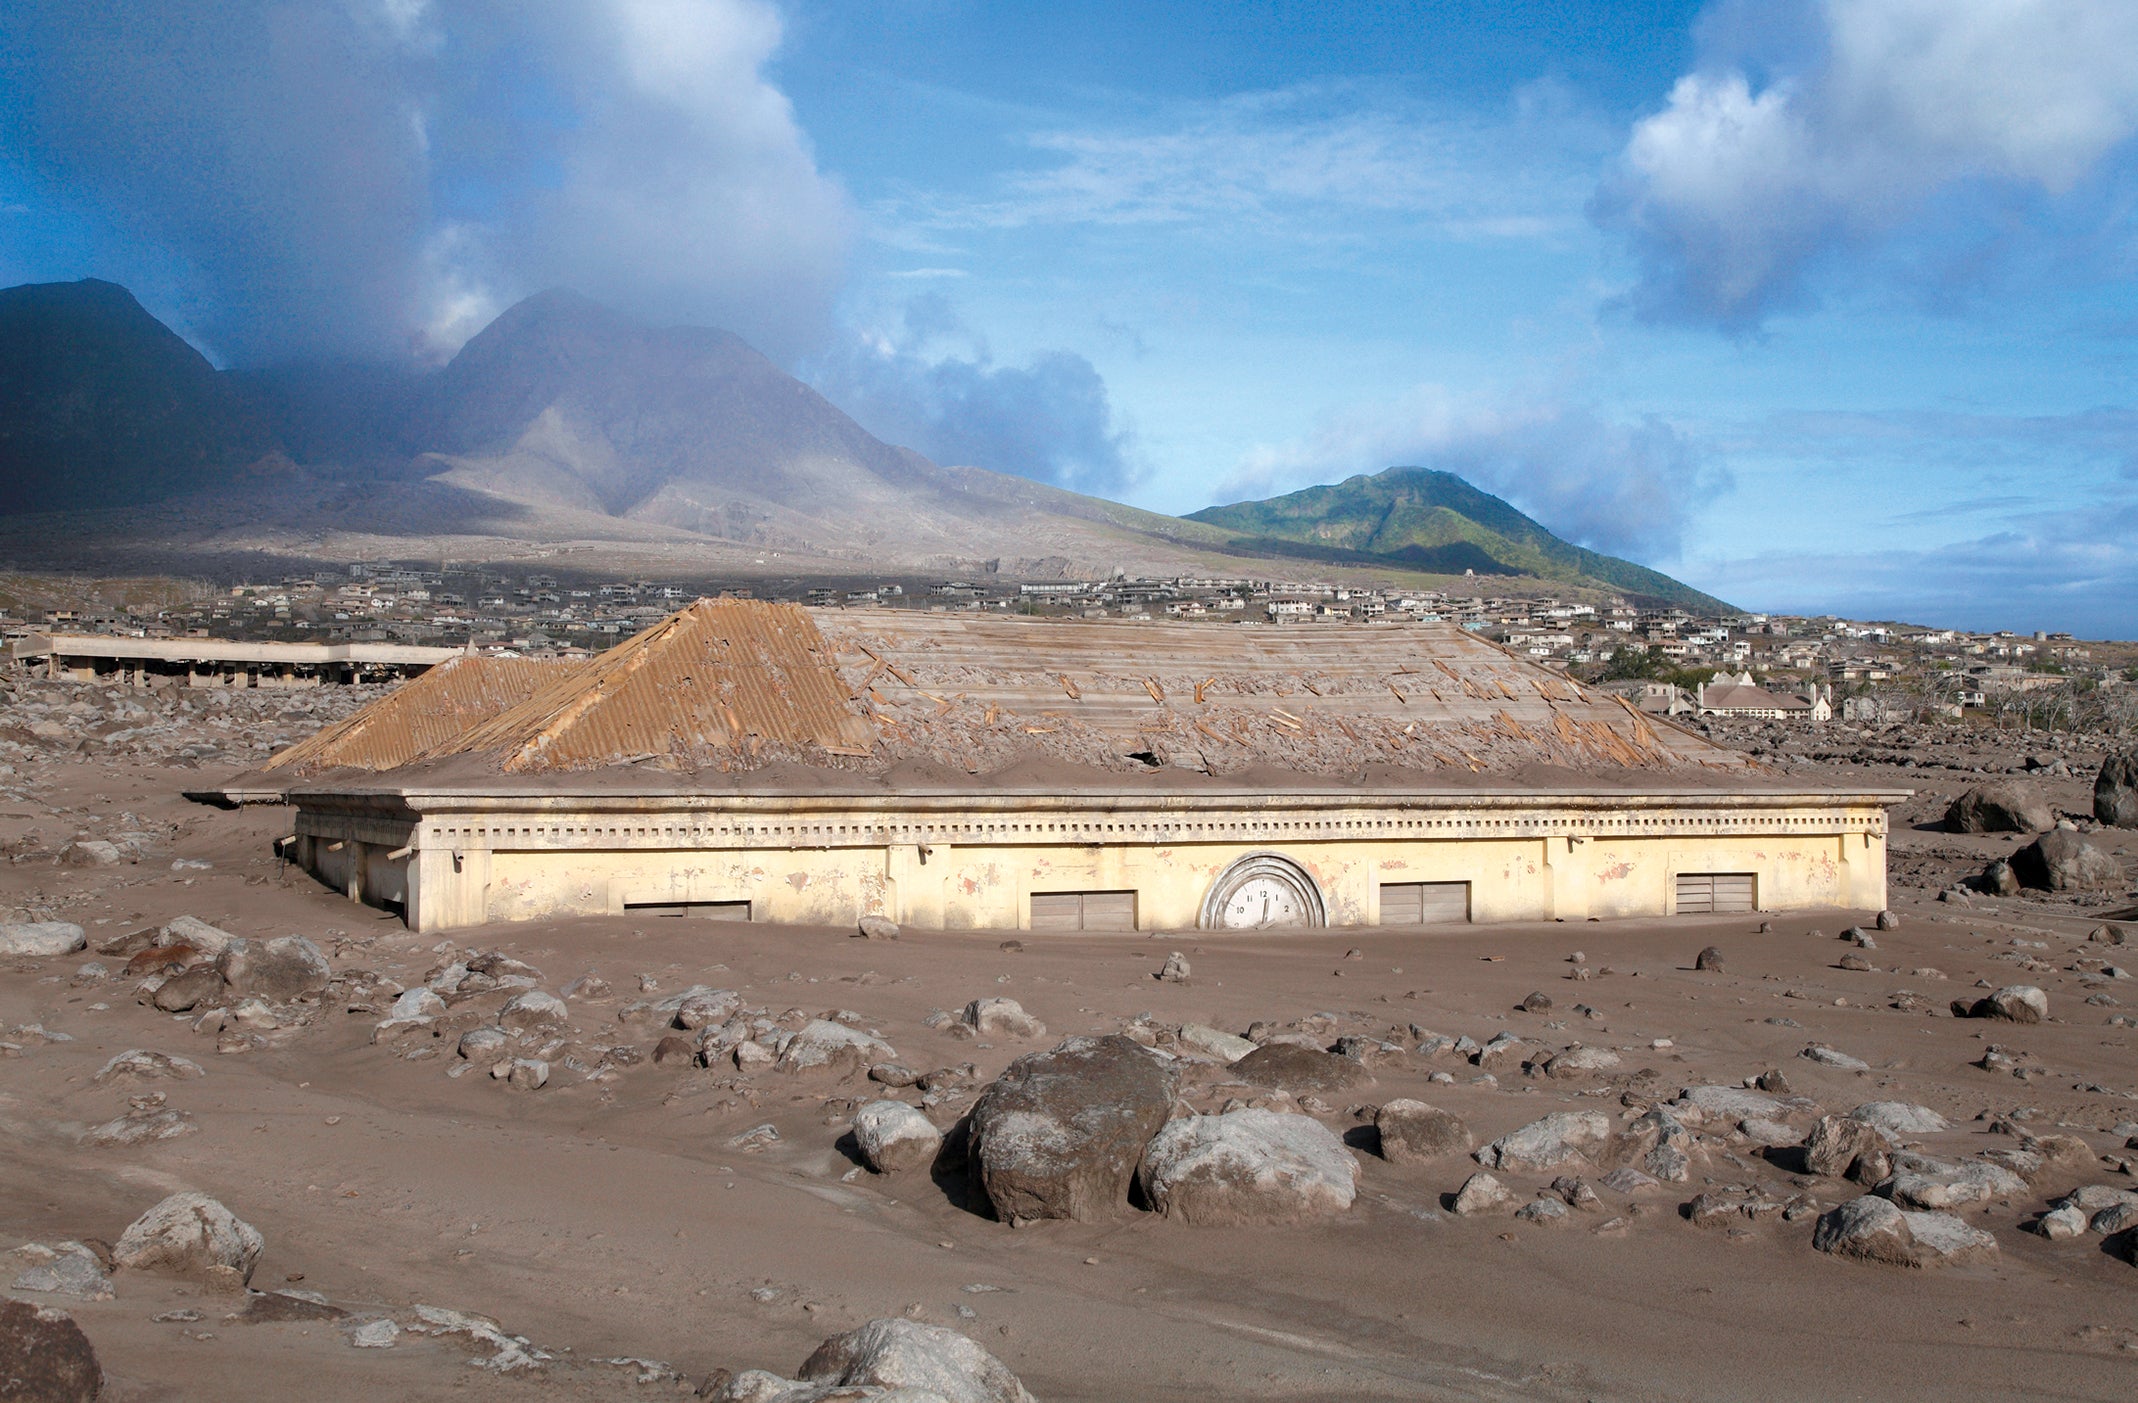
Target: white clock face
[{"x": 1261, "y": 902}]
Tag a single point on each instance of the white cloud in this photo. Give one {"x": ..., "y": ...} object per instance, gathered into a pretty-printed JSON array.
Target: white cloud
[
  {"x": 370, "y": 176},
  {"x": 1627, "y": 488},
  {"x": 1761, "y": 162},
  {"x": 1297, "y": 157}
]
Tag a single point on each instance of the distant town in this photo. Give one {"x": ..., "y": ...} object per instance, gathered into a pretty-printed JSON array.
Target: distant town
[{"x": 1664, "y": 659}]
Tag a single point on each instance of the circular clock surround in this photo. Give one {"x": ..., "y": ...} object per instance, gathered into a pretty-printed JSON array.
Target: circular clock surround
[{"x": 1263, "y": 891}]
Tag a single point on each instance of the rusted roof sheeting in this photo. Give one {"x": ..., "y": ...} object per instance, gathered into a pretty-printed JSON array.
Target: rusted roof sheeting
[
  {"x": 430, "y": 710},
  {"x": 983, "y": 693},
  {"x": 722, "y": 677}
]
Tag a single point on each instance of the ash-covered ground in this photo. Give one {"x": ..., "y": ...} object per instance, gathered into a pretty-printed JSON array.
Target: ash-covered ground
[{"x": 630, "y": 1159}]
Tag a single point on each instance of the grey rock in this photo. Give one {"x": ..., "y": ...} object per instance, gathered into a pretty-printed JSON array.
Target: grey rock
[
  {"x": 485, "y": 1047},
  {"x": 1176, "y": 969},
  {"x": 1943, "y": 1240},
  {"x": 1286, "y": 1067},
  {"x": 61, "y": 1269},
  {"x": 893, "y": 1136},
  {"x": 2062, "y": 860},
  {"x": 2015, "y": 1003},
  {"x": 533, "y": 1010},
  {"x": 1248, "y": 1167},
  {"x": 2007, "y": 806},
  {"x": 1563, "y": 1137},
  {"x": 190, "y": 1234},
  {"x": 2115, "y": 791},
  {"x": 1697, "y": 1105},
  {"x": 823, "y": 1046},
  {"x": 1221, "y": 1045},
  {"x": 40, "y": 939},
  {"x": 1709, "y": 959},
  {"x": 191, "y": 930},
  {"x": 1002, "y": 1018},
  {"x": 1833, "y": 1057},
  {"x": 918, "y": 1361},
  {"x": 45, "y": 1357},
  {"x": 283, "y": 970},
  {"x": 1836, "y": 1144},
  {"x": 1900, "y": 1118},
  {"x": 874, "y": 927},
  {"x": 1413, "y": 1132},
  {"x": 1060, "y": 1133},
  {"x": 1543, "y": 1210},
  {"x": 2062, "y": 1224},
  {"x": 139, "y": 1064},
  {"x": 1868, "y": 1229},
  {"x": 188, "y": 990},
  {"x": 1482, "y": 1193}
]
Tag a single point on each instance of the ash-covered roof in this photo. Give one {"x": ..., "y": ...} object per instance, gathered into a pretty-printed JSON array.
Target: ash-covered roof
[
  {"x": 430, "y": 710},
  {"x": 733, "y": 684}
]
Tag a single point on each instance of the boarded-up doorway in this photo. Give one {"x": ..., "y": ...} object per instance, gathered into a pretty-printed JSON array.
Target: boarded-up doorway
[{"x": 1716, "y": 893}]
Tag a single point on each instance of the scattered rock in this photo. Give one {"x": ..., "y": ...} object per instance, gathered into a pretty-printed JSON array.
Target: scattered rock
[
  {"x": 142, "y": 1065},
  {"x": 1248, "y": 1167},
  {"x": 1900, "y": 1118},
  {"x": 1002, "y": 1018},
  {"x": 1539, "y": 1002},
  {"x": 374, "y": 1334},
  {"x": 2115, "y": 791},
  {"x": 1833, "y": 1057},
  {"x": 1481, "y": 1193},
  {"x": 821, "y": 1045},
  {"x": 1221, "y": 1045},
  {"x": 41, "y": 938},
  {"x": 918, "y": 1361},
  {"x": 893, "y": 1136},
  {"x": 1543, "y": 1210},
  {"x": 873, "y": 927},
  {"x": 190, "y": 1234},
  {"x": 1836, "y": 1144},
  {"x": 1943, "y": 1240},
  {"x": 1887, "y": 921},
  {"x": 283, "y": 970},
  {"x": 1175, "y": 970},
  {"x": 2062, "y": 860},
  {"x": 2062, "y": 1224},
  {"x": 673, "y": 1048},
  {"x": 45, "y": 1357},
  {"x": 1563, "y": 1137},
  {"x": 485, "y": 1047},
  {"x": 1709, "y": 959},
  {"x": 1998, "y": 878},
  {"x": 532, "y": 1011},
  {"x": 2008, "y": 806},
  {"x": 1413, "y": 1132},
  {"x": 1869, "y": 1229},
  {"x": 61, "y": 1269},
  {"x": 188, "y": 990},
  {"x": 1288, "y": 1067},
  {"x": 277, "y": 1307},
  {"x": 2015, "y": 1003},
  {"x": 189, "y": 930},
  {"x": 1060, "y": 1133}
]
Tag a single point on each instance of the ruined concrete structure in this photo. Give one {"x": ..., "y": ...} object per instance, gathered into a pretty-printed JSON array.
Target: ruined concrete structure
[
  {"x": 221, "y": 662},
  {"x": 745, "y": 760}
]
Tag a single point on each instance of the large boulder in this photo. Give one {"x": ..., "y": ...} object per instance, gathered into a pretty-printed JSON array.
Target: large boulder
[
  {"x": 821, "y": 1045},
  {"x": 1413, "y": 1132},
  {"x": 930, "y": 1360},
  {"x": 533, "y": 1011},
  {"x": 1900, "y": 1118},
  {"x": 45, "y": 1357},
  {"x": 282, "y": 970},
  {"x": 1837, "y": 1144},
  {"x": 2008, "y": 806},
  {"x": 1248, "y": 1167},
  {"x": 192, "y": 931},
  {"x": 1286, "y": 1067},
  {"x": 1869, "y": 1229},
  {"x": 2115, "y": 791},
  {"x": 189, "y": 989},
  {"x": 1002, "y": 1018},
  {"x": 41, "y": 938},
  {"x": 1060, "y": 1133},
  {"x": 2064, "y": 860},
  {"x": 1563, "y": 1137},
  {"x": 894, "y": 1136},
  {"x": 190, "y": 1234},
  {"x": 2015, "y": 1003}
]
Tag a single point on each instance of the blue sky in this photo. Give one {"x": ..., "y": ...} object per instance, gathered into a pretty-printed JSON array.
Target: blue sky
[{"x": 1817, "y": 304}]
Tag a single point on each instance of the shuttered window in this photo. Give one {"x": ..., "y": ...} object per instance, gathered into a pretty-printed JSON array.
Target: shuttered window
[
  {"x": 701, "y": 910},
  {"x": 1715, "y": 893},
  {"x": 1083, "y": 910},
  {"x": 1425, "y": 903}
]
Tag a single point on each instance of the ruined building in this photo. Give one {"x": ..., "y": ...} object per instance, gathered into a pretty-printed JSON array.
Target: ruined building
[{"x": 755, "y": 761}]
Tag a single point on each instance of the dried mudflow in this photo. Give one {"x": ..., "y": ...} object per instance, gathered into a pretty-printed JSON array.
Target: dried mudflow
[{"x": 631, "y": 1159}]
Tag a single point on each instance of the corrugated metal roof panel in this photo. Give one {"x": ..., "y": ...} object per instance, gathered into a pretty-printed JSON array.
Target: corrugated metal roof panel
[
  {"x": 430, "y": 710},
  {"x": 722, "y": 676}
]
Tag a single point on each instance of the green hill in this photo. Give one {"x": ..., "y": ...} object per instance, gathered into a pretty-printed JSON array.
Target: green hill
[{"x": 1424, "y": 519}]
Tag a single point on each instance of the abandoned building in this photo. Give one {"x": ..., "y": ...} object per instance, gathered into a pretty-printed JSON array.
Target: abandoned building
[
  {"x": 754, "y": 761},
  {"x": 220, "y": 662}
]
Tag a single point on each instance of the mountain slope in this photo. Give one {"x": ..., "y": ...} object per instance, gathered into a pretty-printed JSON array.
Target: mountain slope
[
  {"x": 100, "y": 402},
  {"x": 1425, "y": 519}
]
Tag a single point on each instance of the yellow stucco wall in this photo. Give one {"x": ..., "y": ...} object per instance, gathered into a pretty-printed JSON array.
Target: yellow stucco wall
[{"x": 829, "y": 862}]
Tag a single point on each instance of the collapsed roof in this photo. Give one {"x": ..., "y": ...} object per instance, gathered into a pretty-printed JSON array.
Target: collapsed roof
[
  {"x": 433, "y": 709},
  {"x": 734, "y": 685}
]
